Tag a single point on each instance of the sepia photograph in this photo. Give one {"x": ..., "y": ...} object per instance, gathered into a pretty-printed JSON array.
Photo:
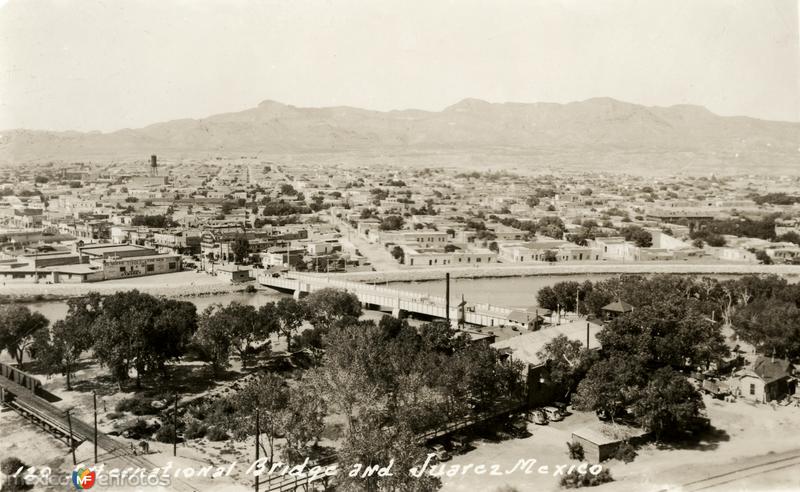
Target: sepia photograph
[{"x": 400, "y": 246}]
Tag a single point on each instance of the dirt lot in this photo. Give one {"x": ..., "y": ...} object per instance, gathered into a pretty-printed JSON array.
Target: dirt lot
[{"x": 746, "y": 434}]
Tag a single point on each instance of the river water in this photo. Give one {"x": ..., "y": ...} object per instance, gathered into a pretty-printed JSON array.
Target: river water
[{"x": 513, "y": 292}]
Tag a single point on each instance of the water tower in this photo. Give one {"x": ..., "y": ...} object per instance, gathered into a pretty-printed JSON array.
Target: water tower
[{"x": 153, "y": 165}]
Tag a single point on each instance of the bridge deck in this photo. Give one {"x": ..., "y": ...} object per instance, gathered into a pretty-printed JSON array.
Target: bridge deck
[{"x": 408, "y": 301}]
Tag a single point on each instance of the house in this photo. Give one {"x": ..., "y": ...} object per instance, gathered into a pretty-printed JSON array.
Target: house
[
  {"x": 766, "y": 380},
  {"x": 233, "y": 273},
  {"x": 611, "y": 311}
]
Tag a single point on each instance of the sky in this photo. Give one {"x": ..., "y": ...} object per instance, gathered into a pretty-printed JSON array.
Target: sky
[{"x": 109, "y": 64}]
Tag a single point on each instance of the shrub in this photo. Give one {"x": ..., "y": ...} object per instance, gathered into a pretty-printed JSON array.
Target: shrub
[
  {"x": 195, "y": 429},
  {"x": 575, "y": 479},
  {"x": 575, "y": 451},
  {"x": 113, "y": 415},
  {"x": 139, "y": 429},
  {"x": 216, "y": 434},
  {"x": 137, "y": 405},
  {"x": 625, "y": 452},
  {"x": 9, "y": 467},
  {"x": 165, "y": 433}
]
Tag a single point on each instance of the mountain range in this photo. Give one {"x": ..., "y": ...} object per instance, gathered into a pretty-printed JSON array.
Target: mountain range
[{"x": 584, "y": 130}]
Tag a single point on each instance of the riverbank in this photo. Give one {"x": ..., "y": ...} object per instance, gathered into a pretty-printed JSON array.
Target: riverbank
[
  {"x": 507, "y": 270},
  {"x": 181, "y": 284}
]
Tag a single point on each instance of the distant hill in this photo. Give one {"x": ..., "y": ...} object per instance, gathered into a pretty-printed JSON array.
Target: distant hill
[{"x": 599, "y": 130}]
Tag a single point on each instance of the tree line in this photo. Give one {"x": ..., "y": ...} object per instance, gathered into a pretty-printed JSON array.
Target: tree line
[{"x": 675, "y": 328}]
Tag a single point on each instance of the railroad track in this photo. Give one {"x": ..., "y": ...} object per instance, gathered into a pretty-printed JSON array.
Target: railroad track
[
  {"x": 54, "y": 420},
  {"x": 776, "y": 462}
]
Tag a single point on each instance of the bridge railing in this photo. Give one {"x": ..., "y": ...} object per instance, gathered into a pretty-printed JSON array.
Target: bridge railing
[
  {"x": 20, "y": 377},
  {"x": 376, "y": 294}
]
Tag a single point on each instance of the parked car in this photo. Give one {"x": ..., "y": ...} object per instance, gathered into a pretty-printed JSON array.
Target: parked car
[
  {"x": 539, "y": 417},
  {"x": 553, "y": 414},
  {"x": 517, "y": 429},
  {"x": 459, "y": 443},
  {"x": 441, "y": 452}
]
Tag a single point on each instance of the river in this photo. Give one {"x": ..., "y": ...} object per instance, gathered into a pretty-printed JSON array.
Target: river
[{"x": 513, "y": 292}]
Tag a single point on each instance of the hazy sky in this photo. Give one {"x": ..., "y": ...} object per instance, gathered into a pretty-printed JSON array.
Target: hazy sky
[{"x": 105, "y": 65}]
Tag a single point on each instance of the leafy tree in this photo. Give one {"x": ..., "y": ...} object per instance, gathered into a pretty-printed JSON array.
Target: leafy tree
[
  {"x": 391, "y": 223},
  {"x": 140, "y": 331},
  {"x": 60, "y": 348},
  {"x": 373, "y": 444},
  {"x": 327, "y": 307},
  {"x": 241, "y": 248},
  {"x": 637, "y": 235},
  {"x": 18, "y": 327},
  {"x": 667, "y": 404},
  {"x": 290, "y": 314},
  {"x": 772, "y": 325},
  {"x": 568, "y": 360},
  {"x": 398, "y": 254},
  {"x": 245, "y": 326},
  {"x": 763, "y": 257},
  {"x": 213, "y": 339},
  {"x": 789, "y": 237},
  {"x": 303, "y": 422},
  {"x": 610, "y": 385},
  {"x": 155, "y": 221},
  {"x": 265, "y": 398}
]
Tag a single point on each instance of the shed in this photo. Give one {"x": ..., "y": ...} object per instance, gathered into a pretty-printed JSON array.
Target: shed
[{"x": 601, "y": 442}]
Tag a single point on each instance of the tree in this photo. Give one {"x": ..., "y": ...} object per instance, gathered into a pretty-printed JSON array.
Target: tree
[
  {"x": 140, "y": 331},
  {"x": 637, "y": 235},
  {"x": 60, "y": 348},
  {"x": 789, "y": 237},
  {"x": 245, "y": 326},
  {"x": 771, "y": 325},
  {"x": 327, "y": 307},
  {"x": 391, "y": 223},
  {"x": 213, "y": 339},
  {"x": 241, "y": 248},
  {"x": 532, "y": 201},
  {"x": 373, "y": 444},
  {"x": 567, "y": 361},
  {"x": 763, "y": 257},
  {"x": 290, "y": 314},
  {"x": 610, "y": 385},
  {"x": 18, "y": 327},
  {"x": 550, "y": 256},
  {"x": 668, "y": 404},
  {"x": 265, "y": 398},
  {"x": 494, "y": 247},
  {"x": 398, "y": 254},
  {"x": 303, "y": 422}
]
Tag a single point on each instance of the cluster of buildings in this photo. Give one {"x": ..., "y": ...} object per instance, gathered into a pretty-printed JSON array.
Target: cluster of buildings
[{"x": 327, "y": 217}]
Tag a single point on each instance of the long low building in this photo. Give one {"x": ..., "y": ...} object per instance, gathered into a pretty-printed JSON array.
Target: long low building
[{"x": 91, "y": 264}]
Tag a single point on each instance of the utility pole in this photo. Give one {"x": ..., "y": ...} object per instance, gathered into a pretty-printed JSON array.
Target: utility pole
[
  {"x": 587, "y": 335},
  {"x": 447, "y": 298},
  {"x": 258, "y": 443},
  {"x": 71, "y": 442},
  {"x": 175, "y": 427},
  {"x": 94, "y": 397}
]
